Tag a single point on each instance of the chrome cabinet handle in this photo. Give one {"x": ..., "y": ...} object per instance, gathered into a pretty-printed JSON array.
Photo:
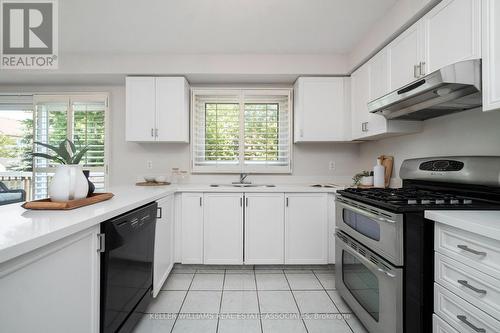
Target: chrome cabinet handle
[
  {"x": 421, "y": 68},
  {"x": 156, "y": 132},
  {"x": 468, "y": 249},
  {"x": 241, "y": 202},
  {"x": 201, "y": 201},
  {"x": 159, "y": 215},
  {"x": 464, "y": 320},
  {"x": 246, "y": 201},
  {"x": 467, "y": 285},
  {"x": 415, "y": 71},
  {"x": 152, "y": 132}
]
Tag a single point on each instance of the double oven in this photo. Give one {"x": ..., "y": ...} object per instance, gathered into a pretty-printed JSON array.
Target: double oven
[{"x": 370, "y": 264}]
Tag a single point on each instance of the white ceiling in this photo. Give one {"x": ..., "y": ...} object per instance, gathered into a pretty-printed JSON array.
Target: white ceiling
[{"x": 216, "y": 26}]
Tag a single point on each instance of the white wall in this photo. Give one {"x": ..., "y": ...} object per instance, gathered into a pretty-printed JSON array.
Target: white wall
[
  {"x": 128, "y": 159},
  {"x": 467, "y": 133}
]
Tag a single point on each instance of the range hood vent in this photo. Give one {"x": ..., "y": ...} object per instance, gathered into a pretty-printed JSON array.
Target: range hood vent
[{"x": 451, "y": 89}]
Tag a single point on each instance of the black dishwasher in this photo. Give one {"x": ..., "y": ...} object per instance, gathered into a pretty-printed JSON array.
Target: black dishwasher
[{"x": 127, "y": 268}]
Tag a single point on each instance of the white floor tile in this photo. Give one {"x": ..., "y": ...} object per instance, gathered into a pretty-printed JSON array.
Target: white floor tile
[
  {"x": 239, "y": 282},
  {"x": 271, "y": 281},
  {"x": 314, "y": 301},
  {"x": 167, "y": 302},
  {"x": 303, "y": 281},
  {"x": 239, "y": 302},
  {"x": 297, "y": 271},
  {"x": 239, "y": 326},
  {"x": 195, "y": 326},
  {"x": 339, "y": 302},
  {"x": 207, "y": 282},
  {"x": 283, "y": 326},
  {"x": 327, "y": 280},
  {"x": 277, "y": 302},
  {"x": 154, "y": 325},
  {"x": 335, "y": 325},
  {"x": 202, "y": 302},
  {"x": 178, "y": 281}
]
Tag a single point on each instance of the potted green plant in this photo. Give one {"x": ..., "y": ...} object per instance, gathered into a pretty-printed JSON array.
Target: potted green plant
[
  {"x": 364, "y": 178},
  {"x": 68, "y": 182}
]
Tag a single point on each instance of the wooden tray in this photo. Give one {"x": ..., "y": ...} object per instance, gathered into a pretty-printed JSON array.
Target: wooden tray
[
  {"x": 47, "y": 204},
  {"x": 152, "y": 183}
]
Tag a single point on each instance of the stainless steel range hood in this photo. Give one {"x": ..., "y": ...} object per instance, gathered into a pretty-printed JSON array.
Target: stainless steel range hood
[{"x": 451, "y": 89}]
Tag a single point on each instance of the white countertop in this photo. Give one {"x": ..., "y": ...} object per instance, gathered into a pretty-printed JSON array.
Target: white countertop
[
  {"x": 22, "y": 230},
  {"x": 484, "y": 223}
]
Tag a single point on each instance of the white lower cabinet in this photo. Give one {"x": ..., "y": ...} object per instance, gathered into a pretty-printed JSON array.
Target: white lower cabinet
[
  {"x": 306, "y": 228},
  {"x": 53, "y": 289},
  {"x": 164, "y": 243},
  {"x": 264, "y": 228},
  {"x": 192, "y": 228},
  {"x": 223, "y": 228}
]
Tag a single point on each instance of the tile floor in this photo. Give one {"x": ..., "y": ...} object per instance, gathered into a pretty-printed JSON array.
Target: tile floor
[{"x": 249, "y": 299}]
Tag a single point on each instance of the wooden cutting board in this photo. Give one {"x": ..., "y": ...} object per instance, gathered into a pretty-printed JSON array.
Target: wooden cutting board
[
  {"x": 47, "y": 204},
  {"x": 388, "y": 163}
]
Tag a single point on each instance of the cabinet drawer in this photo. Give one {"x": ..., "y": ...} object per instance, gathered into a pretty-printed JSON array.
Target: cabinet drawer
[
  {"x": 463, "y": 316},
  {"x": 472, "y": 285},
  {"x": 440, "y": 326},
  {"x": 479, "y": 252}
]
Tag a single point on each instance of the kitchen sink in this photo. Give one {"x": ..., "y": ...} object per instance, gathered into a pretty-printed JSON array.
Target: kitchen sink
[{"x": 242, "y": 185}]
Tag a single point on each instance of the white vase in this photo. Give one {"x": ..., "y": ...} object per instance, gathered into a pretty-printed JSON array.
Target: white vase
[{"x": 68, "y": 183}]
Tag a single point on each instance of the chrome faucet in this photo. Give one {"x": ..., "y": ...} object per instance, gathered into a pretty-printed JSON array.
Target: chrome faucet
[{"x": 243, "y": 176}]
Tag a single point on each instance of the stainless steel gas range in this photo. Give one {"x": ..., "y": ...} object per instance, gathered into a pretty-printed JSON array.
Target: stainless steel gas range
[{"x": 384, "y": 245}]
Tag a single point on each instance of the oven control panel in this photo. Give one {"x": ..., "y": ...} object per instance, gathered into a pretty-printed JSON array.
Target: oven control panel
[{"x": 441, "y": 165}]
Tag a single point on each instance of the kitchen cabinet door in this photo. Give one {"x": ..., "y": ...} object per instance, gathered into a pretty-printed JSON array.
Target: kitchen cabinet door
[
  {"x": 53, "y": 289},
  {"x": 172, "y": 108},
  {"x": 452, "y": 33},
  {"x": 223, "y": 228},
  {"x": 491, "y": 54},
  {"x": 192, "y": 228},
  {"x": 320, "y": 110},
  {"x": 306, "y": 228},
  {"x": 379, "y": 75},
  {"x": 359, "y": 100},
  {"x": 405, "y": 56},
  {"x": 140, "y": 114},
  {"x": 264, "y": 228},
  {"x": 164, "y": 243}
]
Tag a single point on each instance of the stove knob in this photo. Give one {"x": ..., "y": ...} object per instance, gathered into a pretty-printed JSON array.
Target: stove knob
[
  {"x": 454, "y": 201},
  {"x": 440, "y": 201},
  {"x": 412, "y": 202},
  {"x": 467, "y": 201},
  {"x": 425, "y": 202}
]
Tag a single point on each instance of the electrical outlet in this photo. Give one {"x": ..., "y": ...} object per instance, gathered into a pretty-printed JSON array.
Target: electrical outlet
[
  {"x": 149, "y": 164},
  {"x": 331, "y": 165}
]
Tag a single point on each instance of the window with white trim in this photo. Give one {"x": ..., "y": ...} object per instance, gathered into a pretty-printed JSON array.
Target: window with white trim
[
  {"x": 236, "y": 130},
  {"x": 79, "y": 118}
]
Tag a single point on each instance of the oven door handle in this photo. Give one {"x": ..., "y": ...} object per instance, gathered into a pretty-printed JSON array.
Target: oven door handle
[
  {"x": 363, "y": 259},
  {"x": 368, "y": 214}
]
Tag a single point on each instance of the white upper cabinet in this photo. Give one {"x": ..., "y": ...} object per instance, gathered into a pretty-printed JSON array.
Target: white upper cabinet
[
  {"x": 379, "y": 75},
  {"x": 405, "y": 56},
  {"x": 452, "y": 33},
  {"x": 140, "y": 109},
  {"x": 368, "y": 126},
  {"x": 491, "y": 55},
  {"x": 157, "y": 109},
  {"x": 321, "y": 109}
]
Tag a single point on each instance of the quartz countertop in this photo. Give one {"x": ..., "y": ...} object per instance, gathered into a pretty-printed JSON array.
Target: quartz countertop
[
  {"x": 22, "y": 231},
  {"x": 482, "y": 222}
]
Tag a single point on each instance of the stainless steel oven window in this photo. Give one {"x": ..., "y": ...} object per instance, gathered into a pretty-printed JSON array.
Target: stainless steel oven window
[
  {"x": 362, "y": 224},
  {"x": 361, "y": 283}
]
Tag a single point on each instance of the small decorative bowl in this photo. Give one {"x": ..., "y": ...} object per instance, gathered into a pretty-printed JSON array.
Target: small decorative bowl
[{"x": 150, "y": 179}]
